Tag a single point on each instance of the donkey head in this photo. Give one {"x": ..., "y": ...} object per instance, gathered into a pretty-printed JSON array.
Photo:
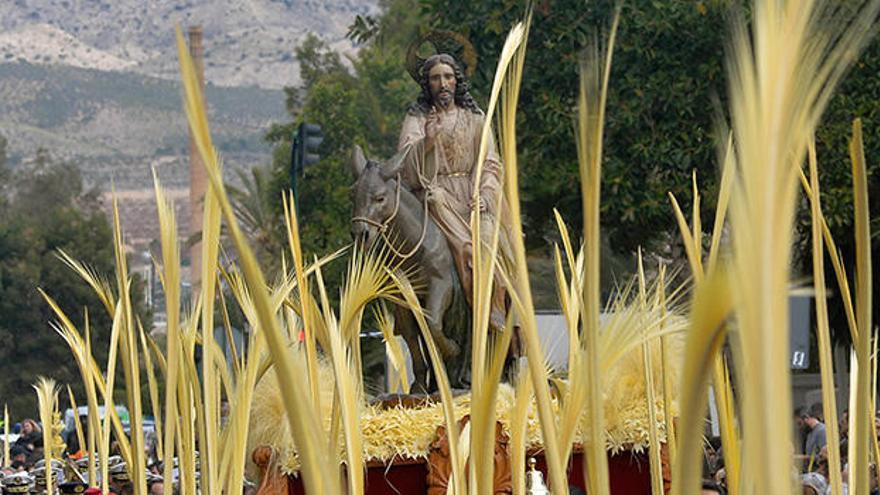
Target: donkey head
[{"x": 374, "y": 194}]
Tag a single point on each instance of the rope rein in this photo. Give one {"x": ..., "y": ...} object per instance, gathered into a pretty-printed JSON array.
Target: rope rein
[{"x": 383, "y": 226}]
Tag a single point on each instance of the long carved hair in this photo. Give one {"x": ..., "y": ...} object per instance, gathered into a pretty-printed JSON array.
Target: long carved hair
[{"x": 462, "y": 95}]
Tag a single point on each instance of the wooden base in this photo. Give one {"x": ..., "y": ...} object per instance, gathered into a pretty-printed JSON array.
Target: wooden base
[{"x": 629, "y": 474}]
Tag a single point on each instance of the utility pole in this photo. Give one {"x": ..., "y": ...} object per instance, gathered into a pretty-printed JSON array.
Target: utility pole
[{"x": 198, "y": 177}]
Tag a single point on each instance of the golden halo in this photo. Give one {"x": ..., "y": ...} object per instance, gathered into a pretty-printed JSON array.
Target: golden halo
[{"x": 450, "y": 42}]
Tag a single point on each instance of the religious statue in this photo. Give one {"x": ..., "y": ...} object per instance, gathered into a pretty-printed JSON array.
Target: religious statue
[
  {"x": 419, "y": 203},
  {"x": 441, "y": 136}
]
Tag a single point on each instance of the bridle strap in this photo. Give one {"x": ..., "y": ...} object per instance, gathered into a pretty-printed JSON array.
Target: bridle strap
[{"x": 383, "y": 226}]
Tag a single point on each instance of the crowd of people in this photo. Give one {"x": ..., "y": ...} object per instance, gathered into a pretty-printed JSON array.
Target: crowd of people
[
  {"x": 26, "y": 469},
  {"x": 811, "y": 455},
  {"x": 813, "y": 451}
]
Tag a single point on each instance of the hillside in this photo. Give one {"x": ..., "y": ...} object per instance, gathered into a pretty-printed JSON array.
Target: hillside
[
  {"x": 115, "y": 125},
  {"x": 95, "y": 83},
  {"x": 247, "y": 42},
  {"x": 118, "y": 126}
]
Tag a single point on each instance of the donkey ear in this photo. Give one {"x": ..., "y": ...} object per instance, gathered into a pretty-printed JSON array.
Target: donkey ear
[
  {"x": 358, "y": 161},
  {"x": 393, "y": 166}
]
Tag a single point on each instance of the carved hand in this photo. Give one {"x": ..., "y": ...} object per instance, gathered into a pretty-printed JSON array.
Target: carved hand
[
  {"x": 482, "y": 203},
  {"x": 436, "y": 196},
  {"x": 431, "y": 124}
]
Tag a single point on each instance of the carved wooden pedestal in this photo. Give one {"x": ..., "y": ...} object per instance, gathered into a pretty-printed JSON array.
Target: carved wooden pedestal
[
  {"x": 440, "y": 467},
  {"x": 629, "y": 472}
]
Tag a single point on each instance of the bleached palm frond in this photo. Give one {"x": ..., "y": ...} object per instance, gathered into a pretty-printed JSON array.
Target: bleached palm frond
[
  {"x": 98, "y": 283},
  {"x": 864, "y": 407},
  {"x": 47, "y": 399},
  {"x": 488, "y": 354},
  {"x": 709, "y": 310},
  {"x": 318, "y": 474},
  {"x": 783, "y": 68},
  {"x": 348, "y": 382},
  {"x": 457, "y": 481},
  {"x": 385, "y": 322}
]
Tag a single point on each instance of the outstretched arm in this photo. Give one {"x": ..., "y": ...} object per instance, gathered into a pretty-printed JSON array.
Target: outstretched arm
[
  {"x": 411, "y": 132},
  {"x": 412, "y": 139}
]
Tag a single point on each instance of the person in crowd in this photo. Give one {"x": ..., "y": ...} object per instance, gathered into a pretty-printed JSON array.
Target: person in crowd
[
  {"x": 800, "y": 428},
  {"x": 810, "y": 423},
  {"x": 816, "y": 435},
  {"x": 120, "y": 481},
  {"x": 814, "y": 484},
  {"x": 19, "y": 457},
  {"x": 72, "y": 488},
  {"x": 711, "y": 488},
  {"x": 720, "y": 477},
  {"x": 31, "y": 435}
]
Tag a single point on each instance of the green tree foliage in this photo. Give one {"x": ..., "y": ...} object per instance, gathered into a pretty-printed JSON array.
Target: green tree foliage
[
  {"x": 659, "y": 126},
  {"x": 256, "y": 211},
  {"x": 667, "y": 88},
  {"x": 45, "y": 208},
  {"x": 667, "y": 92},
  {"x": 363, "y": 104}
]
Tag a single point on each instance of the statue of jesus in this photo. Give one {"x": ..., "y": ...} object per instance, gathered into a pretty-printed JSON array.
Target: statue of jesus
[{"x": 441, "y": 133}]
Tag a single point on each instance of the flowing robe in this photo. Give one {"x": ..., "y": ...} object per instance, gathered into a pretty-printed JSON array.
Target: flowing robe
[{"x": 446, "y": 175}]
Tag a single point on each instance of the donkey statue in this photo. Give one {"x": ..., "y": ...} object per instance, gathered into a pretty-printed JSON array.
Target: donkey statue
[{"x": 386, "y": 211}]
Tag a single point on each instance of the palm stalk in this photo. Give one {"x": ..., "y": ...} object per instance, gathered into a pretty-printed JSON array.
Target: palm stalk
[
  {"x": 47, "y": 398},
  {"x": 782, "y": 72},
  {"x": 385, "y": 322},
  {"x": 665, "y": 367},
  {"x": 6, "y": 458},
  {"x": 575, "y": 395},
  {"x": 78, "y": 428},
  {"x": 292, "y": 224},
  {"x": 170, "y": 277},
  {"x": 591, "y": 116},
  {"x": 829, "y": 401},
  {"x": 487, "y": 356},
  {"x": 457, "y": 482},
  {"x": 235, "y": 447},
  {"x": 859, "y": 471},
  {"x": 656, "y": 468},
  {"x": 837, "y": 263},
  {"x": 95, "y": 433},
  {"x": 318, "y": 475},
  {"x": 347, "y": 385},
  {"x": 128, "y": 343},
  {"x": 191, "y": 407},
  {"x": 723, "y": 392},
  {"x": 210, "y": 244},
  {"x": 153, "y": 386},
  {"x": 518, "y": 423},
  {"x": 710, "y": 308}
]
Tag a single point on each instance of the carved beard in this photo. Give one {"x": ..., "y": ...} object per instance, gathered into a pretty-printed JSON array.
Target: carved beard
[{"x": 444, "y": 98}]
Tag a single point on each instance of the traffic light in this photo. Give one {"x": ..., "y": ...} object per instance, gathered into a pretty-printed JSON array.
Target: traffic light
[
  {"x": 310, "y": 137},
  {"x": 305, "y": 146},
  {"x": 304, "y": 152}
]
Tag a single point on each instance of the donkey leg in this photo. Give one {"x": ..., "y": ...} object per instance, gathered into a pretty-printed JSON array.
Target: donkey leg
[
  {"x": 405, "y": 326},
  {"x": 437, "y": 302}
]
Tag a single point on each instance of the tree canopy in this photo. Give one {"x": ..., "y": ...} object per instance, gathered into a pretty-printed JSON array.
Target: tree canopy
[
  {"x": 664, "y": 117},
  {"x": 44, "y": 209}
]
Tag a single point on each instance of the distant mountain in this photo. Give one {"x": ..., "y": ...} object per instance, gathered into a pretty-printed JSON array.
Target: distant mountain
[
  {"x": 96, "y": 82},
  {"x": 117, "y": 127},
  {"x": 247, "y": 42}
]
